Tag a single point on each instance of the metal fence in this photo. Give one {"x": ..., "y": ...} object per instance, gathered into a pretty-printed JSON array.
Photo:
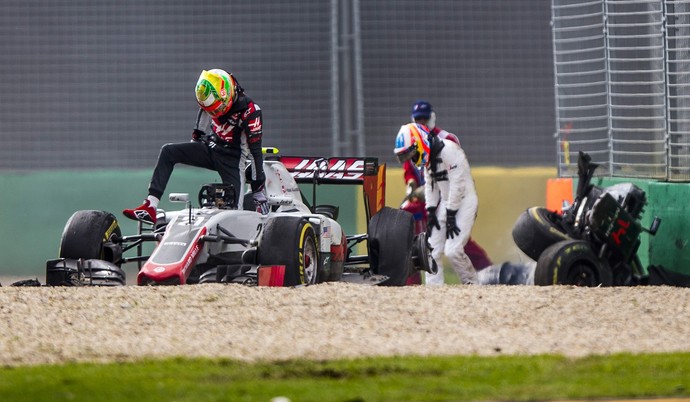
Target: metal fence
[
  {"x": 622, "y": 86},
  {"x": 678, "y": 87},
  {"x": 87, "y": 85}
]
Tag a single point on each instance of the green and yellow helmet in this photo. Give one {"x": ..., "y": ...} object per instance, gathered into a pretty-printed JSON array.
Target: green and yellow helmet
[{"x": 216, "y": 91}]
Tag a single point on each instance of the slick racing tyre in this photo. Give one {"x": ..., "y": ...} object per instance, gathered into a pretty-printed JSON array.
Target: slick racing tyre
[
  {"x": 390, "y": 234},
  {"x": 571, "y": 262},
  {"x": 535, "y": 230},
  {"x": 89, "y": 235},
  {"x": 291, "y": 241}
]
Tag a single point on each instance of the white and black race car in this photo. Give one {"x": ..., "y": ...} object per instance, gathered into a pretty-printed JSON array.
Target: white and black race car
[{"x": 297, "y": 243}]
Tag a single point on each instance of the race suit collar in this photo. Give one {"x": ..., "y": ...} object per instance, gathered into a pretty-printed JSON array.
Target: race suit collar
[{"x": 242, "y": 103}]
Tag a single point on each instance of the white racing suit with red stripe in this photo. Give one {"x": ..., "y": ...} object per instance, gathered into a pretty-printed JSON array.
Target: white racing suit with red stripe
[
  {"x": 450, "y": 186},
  {"x": 229, "y": 144}
]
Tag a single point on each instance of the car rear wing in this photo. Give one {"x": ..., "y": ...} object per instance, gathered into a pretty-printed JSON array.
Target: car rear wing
[{"x": 342, "y": 170}]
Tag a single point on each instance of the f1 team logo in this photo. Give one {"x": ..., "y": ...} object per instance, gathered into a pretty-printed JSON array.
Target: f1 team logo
[{"x": 255, "y": 125}]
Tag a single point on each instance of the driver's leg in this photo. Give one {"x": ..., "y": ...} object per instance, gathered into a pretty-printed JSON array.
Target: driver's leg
[
  {"x": 437, "y": 242},
  {"x": 189, "y": 153},
  {"x": 226, "y": 161}
]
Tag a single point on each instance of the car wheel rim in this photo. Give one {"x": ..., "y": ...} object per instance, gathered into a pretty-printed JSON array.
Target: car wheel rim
[
  {"x": 582, "y": 275},
  {"x": 310, "y": 260}
]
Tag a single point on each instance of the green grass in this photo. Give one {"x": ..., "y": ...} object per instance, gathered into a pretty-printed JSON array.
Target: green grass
[{"x": 381, "y": 379}]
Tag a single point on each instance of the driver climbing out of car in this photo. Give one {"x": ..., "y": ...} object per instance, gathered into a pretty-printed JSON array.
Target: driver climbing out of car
[
  {"x": 226, "y": 138},
  {"x": 450, "y": 197}
]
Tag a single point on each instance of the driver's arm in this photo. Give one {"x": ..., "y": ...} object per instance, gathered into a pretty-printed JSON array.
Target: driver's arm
[{"x": 253, "y": 128}]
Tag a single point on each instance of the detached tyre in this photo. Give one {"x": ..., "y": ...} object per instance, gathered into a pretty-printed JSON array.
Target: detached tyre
[
  {"x": 89, "y": 235},
  {"x": 536, "y": 229},
  {"x": 291, "y": 241},
  {"x": 390, "y": 234},
  {"x": 571, "y": 262}
]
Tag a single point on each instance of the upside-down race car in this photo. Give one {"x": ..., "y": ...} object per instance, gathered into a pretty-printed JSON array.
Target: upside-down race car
[{"x": 294, "y": 244}]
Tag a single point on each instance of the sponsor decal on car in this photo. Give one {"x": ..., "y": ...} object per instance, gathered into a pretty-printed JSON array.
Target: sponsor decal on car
[
  {"x": 348, "y": 169},
  {"x": 175, "y": 243}
]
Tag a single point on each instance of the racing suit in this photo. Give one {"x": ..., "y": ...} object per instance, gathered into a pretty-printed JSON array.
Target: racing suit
[
  {"x": 414, "y": 177},
  {"x": 416, "y": 206},
  {"x": 450, "y": 186},
  {"x": 226, "y": 145}
]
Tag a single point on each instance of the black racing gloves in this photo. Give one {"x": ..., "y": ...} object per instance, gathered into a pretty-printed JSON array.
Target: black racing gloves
[
  {"x": 197, "y": 135},
  {"x": 431, "y": 220},
  {"x": 452, "y": 228}
]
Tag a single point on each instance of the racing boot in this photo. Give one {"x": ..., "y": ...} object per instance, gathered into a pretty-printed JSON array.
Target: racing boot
[{"x": 144, "y": 213}]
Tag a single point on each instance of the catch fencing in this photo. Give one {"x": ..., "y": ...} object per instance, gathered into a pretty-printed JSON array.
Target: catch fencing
[{"x": 622, "y": 86}]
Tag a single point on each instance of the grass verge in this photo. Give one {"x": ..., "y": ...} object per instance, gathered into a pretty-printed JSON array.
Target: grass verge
[{"x": 380, "y": 379}]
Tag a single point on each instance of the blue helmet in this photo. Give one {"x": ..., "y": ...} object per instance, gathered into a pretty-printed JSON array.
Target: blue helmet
[{"x": 421, "y": 110}]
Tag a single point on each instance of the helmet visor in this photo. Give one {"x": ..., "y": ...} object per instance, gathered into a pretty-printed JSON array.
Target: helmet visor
[{"x": 212, "y": 105}]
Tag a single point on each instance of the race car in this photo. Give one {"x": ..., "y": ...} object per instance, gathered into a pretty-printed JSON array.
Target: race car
[
  {"x": 296, "y": 243},
  {"x": 594, "y": 242}
]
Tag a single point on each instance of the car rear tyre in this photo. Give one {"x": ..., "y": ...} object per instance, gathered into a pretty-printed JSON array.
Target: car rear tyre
[
  {"x": 390, "y": 235},
  {"x": 536, "y": 229},
  {"x": 89, "y": 235},
  {"x": 291, "y": 241},
  {"x": 571, "y": 262}
]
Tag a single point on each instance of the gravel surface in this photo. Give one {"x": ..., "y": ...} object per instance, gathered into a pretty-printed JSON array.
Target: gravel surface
[{"x": 335, "y": 320}]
